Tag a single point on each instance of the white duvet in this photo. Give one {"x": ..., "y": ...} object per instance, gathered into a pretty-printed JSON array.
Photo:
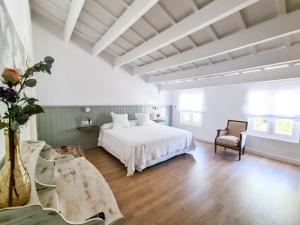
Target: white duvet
[{"x": 136, "y": 146}]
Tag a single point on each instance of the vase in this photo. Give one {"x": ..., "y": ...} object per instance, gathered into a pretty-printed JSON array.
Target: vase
[{"x": 15, "y": 186}]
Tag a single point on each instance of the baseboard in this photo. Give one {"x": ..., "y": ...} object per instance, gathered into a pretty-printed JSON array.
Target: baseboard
[
  {"x": 260, "y": 153},
  {"x": 204, "y": 140},
  {"x": 273, "y": 156}
]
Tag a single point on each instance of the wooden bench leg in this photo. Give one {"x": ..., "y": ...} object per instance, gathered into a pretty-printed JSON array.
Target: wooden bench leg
[
  {"x": 215, "y": 148},
  {"x": 240, "y": 152}
]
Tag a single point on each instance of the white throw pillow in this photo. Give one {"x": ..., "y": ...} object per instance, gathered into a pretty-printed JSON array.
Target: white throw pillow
[
  {"x": 120, "y": 120},
  {"x": 143, "y": 119}
]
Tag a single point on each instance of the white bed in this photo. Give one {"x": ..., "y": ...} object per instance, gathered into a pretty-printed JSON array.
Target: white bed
[{"x": 138, "y": 147}]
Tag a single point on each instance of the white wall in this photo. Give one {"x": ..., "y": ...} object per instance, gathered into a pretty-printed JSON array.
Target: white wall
[
  {"x": 19, "y": 13},
  {"x": 82, "y": 79},
  {"x": 227, "y": 102}
]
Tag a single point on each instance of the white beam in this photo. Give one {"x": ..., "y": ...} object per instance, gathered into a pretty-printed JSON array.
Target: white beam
[
  {"x": 284, "y": 55},
  {"x": 279, "y": 27},
  {"x": 206, "y": 16},
  {"x": 280, "y": 74},
  {"x": 136, "y": 10},
  {"x": 75, "y": 9},
  {"x": 283, "y": 10}
]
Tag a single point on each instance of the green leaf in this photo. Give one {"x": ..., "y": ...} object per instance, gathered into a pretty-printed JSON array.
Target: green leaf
[
  {"x": 49, "y": 59},
  {"x": 31, "y": 101},
  {"x": 22, "y": 119},
  {"x": 3, "y": 125},
  {"x": 30, "y": 83},
  {"x": 38, "y": 109},
  {"x": 32, "y": 109},
  {"x": 15, "y": 109},
  {"x": 15, "y": 125}
]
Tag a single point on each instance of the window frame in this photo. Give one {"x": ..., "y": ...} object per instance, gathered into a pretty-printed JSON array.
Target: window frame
[
  {"x": 271, "y": 129},
  {"x": 191, "y": 123},
  {"x": 251, "y": 125}
]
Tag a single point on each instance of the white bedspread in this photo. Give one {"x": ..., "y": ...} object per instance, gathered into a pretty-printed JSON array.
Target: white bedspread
[{"x": 137, "y": 145}]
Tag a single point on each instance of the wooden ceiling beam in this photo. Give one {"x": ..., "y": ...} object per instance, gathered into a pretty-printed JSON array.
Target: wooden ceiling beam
[
  {"x": 283, "y": 55},
  {"x": 261, "y": 76},
  {"x": 279, "y": 27},
  {"x": 204, "y": 17},
  {"x": 126, "y": 20},
  {"x": 74, "y": 12}
]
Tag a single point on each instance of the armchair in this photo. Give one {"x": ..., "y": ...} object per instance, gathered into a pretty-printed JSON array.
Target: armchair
[{"x": 233, "y": 136}]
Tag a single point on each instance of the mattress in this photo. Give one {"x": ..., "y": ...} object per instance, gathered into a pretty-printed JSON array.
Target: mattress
[{"x": 138, "y": 147}]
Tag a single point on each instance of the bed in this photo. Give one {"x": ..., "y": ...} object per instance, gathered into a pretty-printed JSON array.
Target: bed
[{"x": 139, "y": 147}]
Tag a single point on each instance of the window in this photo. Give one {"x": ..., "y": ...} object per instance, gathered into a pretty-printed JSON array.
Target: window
[
  {"x": 284, "y": 127},
  {"x": 191, "y": 109},
  {"x": 274, "y": 114},
  {"x": 190, "y": 118},
  {"x": 260, "y": 124}
]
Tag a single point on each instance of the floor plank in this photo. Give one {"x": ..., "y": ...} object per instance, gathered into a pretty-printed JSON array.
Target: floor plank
[{"x": 204, "y": 188}]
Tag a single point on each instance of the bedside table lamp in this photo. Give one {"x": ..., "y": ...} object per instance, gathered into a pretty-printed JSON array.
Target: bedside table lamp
[
  {"x": 87, "y": 121},
  {"x": 156, "y": 112}
]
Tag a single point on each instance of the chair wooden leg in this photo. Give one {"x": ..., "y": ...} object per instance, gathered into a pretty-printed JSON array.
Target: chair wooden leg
[
  {"x": 240, "y": 152},
  {"x": 225, "y": 148},
  {"x": 215, "y": 148},
  {"x": 244, "y": 151}
]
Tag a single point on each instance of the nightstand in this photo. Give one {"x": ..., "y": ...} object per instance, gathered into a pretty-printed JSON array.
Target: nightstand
[{"x": 88, "y": 128}]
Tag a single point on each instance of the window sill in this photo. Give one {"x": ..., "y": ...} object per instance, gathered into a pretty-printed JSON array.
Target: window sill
[
  {"x": 292, "y": 140},
  {"x": 191, "y": 124}
]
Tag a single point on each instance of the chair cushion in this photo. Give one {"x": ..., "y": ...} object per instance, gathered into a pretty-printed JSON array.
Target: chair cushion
[{"x": 228, "y": 140}]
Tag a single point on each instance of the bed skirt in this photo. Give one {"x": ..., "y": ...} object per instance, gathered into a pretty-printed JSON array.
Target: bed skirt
[{"x": 163, "y": 158}]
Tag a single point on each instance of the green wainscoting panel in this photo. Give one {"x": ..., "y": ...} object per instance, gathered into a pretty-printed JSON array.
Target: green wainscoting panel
[{"x": 58, "y": 125}]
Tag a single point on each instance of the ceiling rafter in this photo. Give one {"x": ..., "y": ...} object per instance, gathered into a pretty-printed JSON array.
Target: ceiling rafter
[
  {"x": 286, "y": 73},
  {"x": 112, "y": 52},
  {"x": 75, "y": 9},
  {"x": 211, "y": 32},
  {"x": 44, "y": 12},
  {"x": 281, "y": 4},
  {"x": 283, "y": 55},
  {"x": 126, "y": 20},
  {"x": 213, "y": 12},
  {"x": 279, "y": 27},
  {"x": 240, "y": 20},
  {"x": 154, "y": 30},
  {"x": 112, "y": 16},
  {"x": 173, "y": 22},
  {"x": 105, "y": 27},
  {"x": 130, "y": 29},
  {"x": 79, "y": 33}
]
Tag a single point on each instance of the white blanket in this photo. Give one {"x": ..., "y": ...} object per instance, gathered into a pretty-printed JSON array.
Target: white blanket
[{"x": 138, "y": 145}]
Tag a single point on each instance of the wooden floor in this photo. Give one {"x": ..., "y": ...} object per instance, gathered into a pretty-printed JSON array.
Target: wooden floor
[{"x": 204, "y": 188}]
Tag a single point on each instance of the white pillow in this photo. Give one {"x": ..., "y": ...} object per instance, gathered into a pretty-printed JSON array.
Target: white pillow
[
  {"x": 120, "y": 120},
  {"x": 143, "y": 119}
]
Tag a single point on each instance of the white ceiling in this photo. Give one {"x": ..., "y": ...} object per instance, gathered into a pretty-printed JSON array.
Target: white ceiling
[{"x": 213, "y": 46}]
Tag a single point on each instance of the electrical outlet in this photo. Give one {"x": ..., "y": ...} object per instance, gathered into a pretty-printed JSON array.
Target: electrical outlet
[{"x": 85, "y": 122}]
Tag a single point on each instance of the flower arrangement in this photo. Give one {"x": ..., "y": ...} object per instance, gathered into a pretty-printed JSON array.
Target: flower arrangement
[
  {"x": 20, "y": 109},
  {"x": 15, "y": 184}
]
